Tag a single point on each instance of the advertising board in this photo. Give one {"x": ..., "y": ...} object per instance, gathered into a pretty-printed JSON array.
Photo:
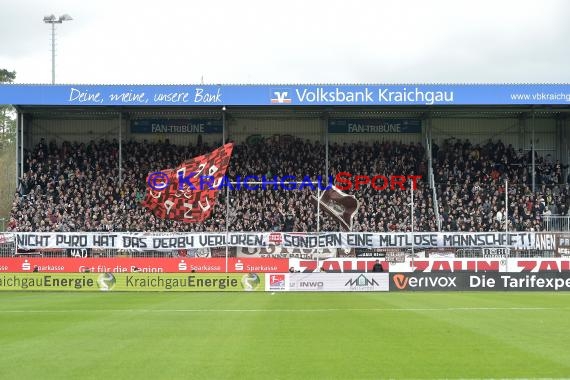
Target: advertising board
[
  {"x": 327, "y": 282},
  {"x": 469, "y": 281},
  {"x": 483, "y": 265},
  {"x": 336, "y": 265},
  {"x": 395, "y": 94},
  {"x": 131, "y": 282},
  {"x": 273, "y": 251},
  {"x": 147, "y": 265}
]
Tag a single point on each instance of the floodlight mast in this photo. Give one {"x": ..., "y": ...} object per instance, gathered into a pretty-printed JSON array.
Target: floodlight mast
[{"x": 51, "y": 19}]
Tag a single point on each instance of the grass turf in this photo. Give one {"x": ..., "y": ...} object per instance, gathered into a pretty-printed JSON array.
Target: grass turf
[{"x": 284, "y": 336}]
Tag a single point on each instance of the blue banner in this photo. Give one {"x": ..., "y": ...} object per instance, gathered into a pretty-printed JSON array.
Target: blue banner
[
  {"x": 285, "y": 95},
  {"x": 176, "y": 126},
  {"x": 375, "y": 126}
]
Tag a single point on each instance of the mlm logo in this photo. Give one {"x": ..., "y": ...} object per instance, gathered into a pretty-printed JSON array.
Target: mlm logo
[
  {"x": 280, "y": 97},
  {"x": 361, "y": 281},
  {"x": 400, "y": 281}
]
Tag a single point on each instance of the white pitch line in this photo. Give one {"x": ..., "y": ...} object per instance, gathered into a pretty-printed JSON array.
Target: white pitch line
[{"x": 284, "y": 310}]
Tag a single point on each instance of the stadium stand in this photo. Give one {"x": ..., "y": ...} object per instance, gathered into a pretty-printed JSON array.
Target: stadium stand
[
  {"x": 471, "y": 187},
  {"x": 75, "y": 187}
]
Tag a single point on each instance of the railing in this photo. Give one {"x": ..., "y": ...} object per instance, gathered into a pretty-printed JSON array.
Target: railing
[{"x": 556, "y": 223}]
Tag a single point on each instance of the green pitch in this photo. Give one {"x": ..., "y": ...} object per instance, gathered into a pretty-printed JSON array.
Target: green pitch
[{"x": 284, "y": 336}]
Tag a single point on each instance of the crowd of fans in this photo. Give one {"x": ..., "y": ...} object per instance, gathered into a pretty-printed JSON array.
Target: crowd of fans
[
  {"x": 75, "y": 187},
  {"x": 471, "y": 182}
]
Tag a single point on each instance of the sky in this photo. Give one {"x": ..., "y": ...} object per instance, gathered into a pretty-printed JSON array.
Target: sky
[{"x": 293, "y": 41}]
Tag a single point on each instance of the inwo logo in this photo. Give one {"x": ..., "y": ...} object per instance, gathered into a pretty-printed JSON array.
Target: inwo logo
[{"x": 280, "y": 97}]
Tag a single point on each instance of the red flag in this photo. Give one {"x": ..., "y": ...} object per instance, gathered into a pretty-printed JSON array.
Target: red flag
[{"x": 191, "y": 194}]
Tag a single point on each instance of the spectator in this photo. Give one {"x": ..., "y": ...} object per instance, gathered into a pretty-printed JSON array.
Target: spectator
[{"x": 377, "y": 267}]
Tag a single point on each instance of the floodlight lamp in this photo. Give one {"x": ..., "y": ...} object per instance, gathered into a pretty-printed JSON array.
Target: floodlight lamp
[
  {"x": 65, "y": 17},
  {"x": 50, "y": 18}
]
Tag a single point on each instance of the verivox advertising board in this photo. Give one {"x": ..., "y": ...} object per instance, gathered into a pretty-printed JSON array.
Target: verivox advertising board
[
  {"x": 464, "y": 281},
  {"x": 327, "y": 282},
  {"x": 232, "y": 282}
]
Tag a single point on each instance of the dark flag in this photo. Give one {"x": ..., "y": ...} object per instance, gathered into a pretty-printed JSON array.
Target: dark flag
[
  {"x": 190, "y": 197},
  {"x": 339, "y": 205}
]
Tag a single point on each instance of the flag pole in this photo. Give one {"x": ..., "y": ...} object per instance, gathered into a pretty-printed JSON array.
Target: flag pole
[
  {"x": 318, "y": 223},
  {"x": 227, "y": 222},
  {"x": 506, "y": 216},
  {"x": 224, "y": 137},
  {"x": 506, "y": 205},
  {"x": 412, "y": 218},
  {"x": 318, "y": 209}
]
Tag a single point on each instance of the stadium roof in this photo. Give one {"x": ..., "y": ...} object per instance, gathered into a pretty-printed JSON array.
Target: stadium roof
[{"x": 285, "y": 95}]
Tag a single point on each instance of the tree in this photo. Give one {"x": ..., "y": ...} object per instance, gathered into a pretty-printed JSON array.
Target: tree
[
  {"x": 7, "y": 76},
  {"x": 7, "y": 150},
  {"x": 7, "y": 119}
]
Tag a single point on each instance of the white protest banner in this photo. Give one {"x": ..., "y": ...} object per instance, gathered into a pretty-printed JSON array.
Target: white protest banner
[{"x": 347, "y": 240}]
